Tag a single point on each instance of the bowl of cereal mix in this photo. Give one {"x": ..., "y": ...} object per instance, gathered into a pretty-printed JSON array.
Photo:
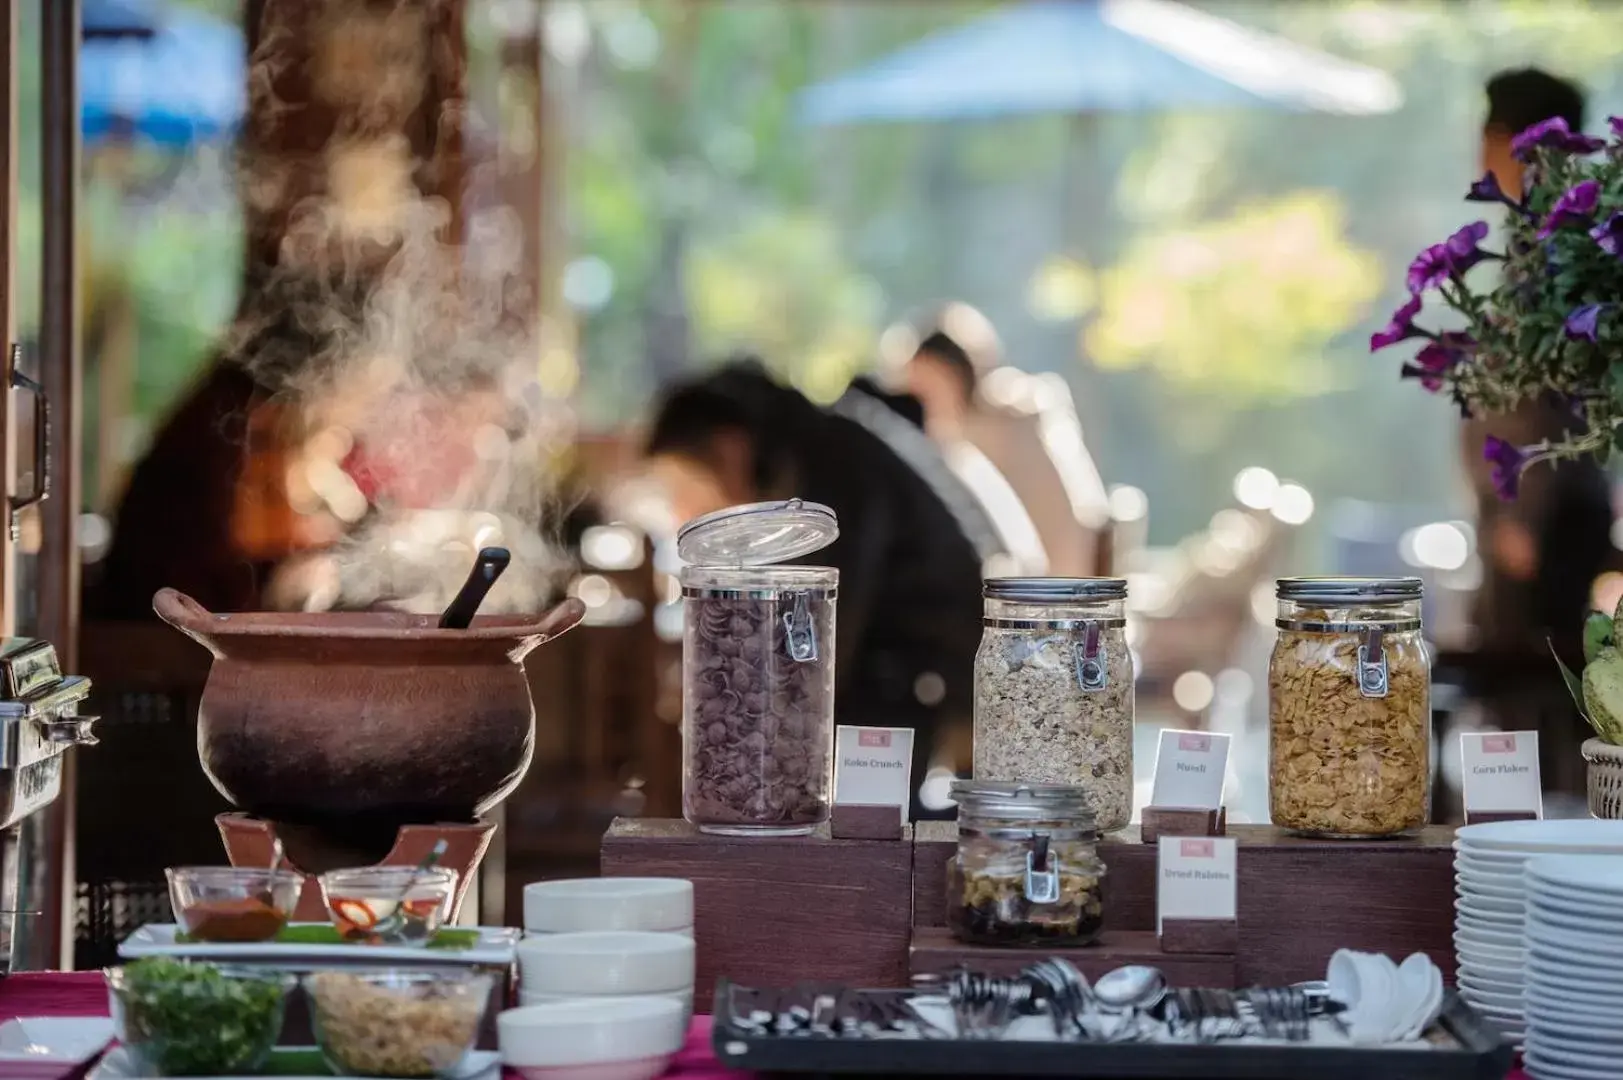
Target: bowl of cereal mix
[{"x": 397, "y": 1023}]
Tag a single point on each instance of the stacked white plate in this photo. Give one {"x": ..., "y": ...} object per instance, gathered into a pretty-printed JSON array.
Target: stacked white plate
[
  {"x": 1490, "y": 931},
  {"x": 1574, "y": 995}
]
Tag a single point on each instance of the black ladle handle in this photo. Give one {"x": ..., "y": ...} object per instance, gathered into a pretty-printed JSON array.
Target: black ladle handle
[{"x": 486, "y": 569}]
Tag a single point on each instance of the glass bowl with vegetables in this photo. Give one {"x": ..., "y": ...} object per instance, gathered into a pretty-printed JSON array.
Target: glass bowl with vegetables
[
  {"x": 233, "y": 903},
  {"x": 397, "y": 1023},
  {"x": 179, "y": 1018},
  {"x": 388, "y": 905}
]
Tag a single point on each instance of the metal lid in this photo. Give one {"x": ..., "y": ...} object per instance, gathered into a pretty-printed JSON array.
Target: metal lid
[
  {"x": 1334, "y": 591},
  {"x": 1054, "y": 590},
  {"x": 758, "y": 534},
  {"x": 1024, "y": 802}
]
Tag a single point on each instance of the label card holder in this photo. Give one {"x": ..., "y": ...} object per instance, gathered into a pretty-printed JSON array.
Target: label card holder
[
  {"x": 1197, "y": 894},
  {"x": 873, "y": 781},
  {"x": 1186, "y": 797},
  {"x": 1499, "y": 775}
]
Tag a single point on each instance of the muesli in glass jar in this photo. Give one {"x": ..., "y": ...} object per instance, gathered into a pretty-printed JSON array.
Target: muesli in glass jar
[
  {"x": 1349, "y": 709},
  {"x": 1027, "y": 871},
  {"x": 1054, "y": 689},
  {"x": 757, "y": 669}
]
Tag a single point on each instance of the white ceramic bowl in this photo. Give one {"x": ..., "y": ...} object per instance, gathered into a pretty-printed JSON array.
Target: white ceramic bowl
[
  {"x": 606, "y": 962},
  {"x": 621, "y": 1038},
  {"x": 685, "y": 931},
  {"x": 629, "y": 903},
  {"x": 683, "y": 998}
]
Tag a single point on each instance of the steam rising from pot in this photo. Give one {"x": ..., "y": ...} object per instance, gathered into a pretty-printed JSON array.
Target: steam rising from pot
[{"x": 396, "y": 341}]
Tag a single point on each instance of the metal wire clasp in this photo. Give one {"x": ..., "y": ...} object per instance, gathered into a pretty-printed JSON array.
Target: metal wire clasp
[
  {"x": 800, "y": 633},
  {"x": 1042, "y": 873},
  {"x": 1092, "y": 667},
  {"x": 1372, "y": 673}
]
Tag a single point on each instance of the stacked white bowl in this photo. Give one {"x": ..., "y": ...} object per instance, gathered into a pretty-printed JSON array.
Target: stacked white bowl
[
  {"x": 607, "y": 937},
  {"x": 1490, "y": 923},
  {"x": 664, "y": 905},
  {"x": 632, "y": 1038},
  {"x": 1574, "y": 996},
  {"x": 603, "y": 964}
]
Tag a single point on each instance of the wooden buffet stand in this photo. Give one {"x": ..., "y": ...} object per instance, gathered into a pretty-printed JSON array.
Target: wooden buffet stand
[{"x": 871, "y": 913}]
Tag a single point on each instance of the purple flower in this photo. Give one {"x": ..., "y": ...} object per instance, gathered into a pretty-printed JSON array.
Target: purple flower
[
  {"x": 1555, "y": 135},
  {"x": 1616, "y": 124},
  {"x": 1583, "y": 324},
  {"x": 1609, "y": 234},
  {"x": 1575, "y": 206},
  {"x": 1431, "y": 362},
  {"x": 1400, "y": 328},
  {"x": 1487, "y": 189},
  {"x": 1452, "y": 258},
  {"x": 1508, "y": 462}
]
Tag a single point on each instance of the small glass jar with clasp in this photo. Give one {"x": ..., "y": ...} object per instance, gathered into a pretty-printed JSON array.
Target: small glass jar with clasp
[{"x": 1027, "y": 871}]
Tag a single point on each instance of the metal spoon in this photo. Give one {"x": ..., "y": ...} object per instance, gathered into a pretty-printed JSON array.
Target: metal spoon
[
  {"x": 1129, "y": 987},
  {"x": 397, "y": 914},
  {"x": 490, "y": 564}
]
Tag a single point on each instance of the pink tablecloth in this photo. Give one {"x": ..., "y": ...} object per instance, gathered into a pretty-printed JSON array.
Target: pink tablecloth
[{"x": 83, "y": 994}]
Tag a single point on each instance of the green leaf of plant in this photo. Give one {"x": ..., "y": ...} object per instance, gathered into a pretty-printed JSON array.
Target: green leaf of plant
[{"x": 1575, "y": 685}]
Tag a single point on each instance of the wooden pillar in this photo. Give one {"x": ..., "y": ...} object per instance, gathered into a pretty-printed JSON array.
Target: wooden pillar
[
  {"x": 61, "y": 374},
  {"x": 8, "y": 302}
]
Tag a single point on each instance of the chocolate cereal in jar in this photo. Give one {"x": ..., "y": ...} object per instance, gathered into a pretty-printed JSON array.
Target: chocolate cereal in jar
[{"x": 757, "y": 669}]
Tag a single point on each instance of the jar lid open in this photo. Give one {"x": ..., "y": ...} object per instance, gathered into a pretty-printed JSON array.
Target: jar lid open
[
  {"x": 1333, "y": 591},
  {"x": 757, "y": 534},
  {"x": 1054, "y": 590},
  {"x": 1023, "y": 802}
]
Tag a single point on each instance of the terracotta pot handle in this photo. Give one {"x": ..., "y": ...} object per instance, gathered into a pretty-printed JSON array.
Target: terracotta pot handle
[
  {"x": 181, "y": 611},
  {"x": 559, "y": 620}
]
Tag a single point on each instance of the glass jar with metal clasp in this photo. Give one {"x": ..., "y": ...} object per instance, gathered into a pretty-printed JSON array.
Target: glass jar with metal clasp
[
  {"x": 1027, "y": 871},
  {"x": 757, "y": 669},
  {"x": 1054, "y": 689},
  {"x": 1349, "y": 709}
]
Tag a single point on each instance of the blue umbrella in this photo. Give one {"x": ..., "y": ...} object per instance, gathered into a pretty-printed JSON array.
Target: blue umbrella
[
  {"x": 113, "y": 19},
  {"x": 185, "y": 83},
  {"x": 1096, "y": 56}
]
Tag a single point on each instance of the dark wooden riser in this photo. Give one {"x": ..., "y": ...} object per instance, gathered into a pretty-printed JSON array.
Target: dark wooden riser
[{"x": 778, "y": 911}]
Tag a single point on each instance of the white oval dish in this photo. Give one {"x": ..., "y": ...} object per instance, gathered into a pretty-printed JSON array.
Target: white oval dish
[
  {"x": 620, "y": 1038},
  {"x": 606, "y": 962},
  {"x": 612, "y": 903}
]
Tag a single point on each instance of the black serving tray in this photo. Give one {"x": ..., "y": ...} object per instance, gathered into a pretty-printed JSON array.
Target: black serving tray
[{"x": 1480, "y": 1055}]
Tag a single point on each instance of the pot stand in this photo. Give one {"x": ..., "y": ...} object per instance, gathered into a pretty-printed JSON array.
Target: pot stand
[{"x": 251, "y": 841}]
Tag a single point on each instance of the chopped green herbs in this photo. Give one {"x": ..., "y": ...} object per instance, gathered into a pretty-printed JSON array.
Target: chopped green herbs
[{"x": 186, "y": 1019}]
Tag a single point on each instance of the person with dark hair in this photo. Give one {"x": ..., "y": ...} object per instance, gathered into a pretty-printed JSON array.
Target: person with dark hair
[
  {"x": 1012, "y": 437},
  {"x": 912, "y": 542},
  {"x": 1543, "y": 551},
  {"x": 1516, "y": 101}
]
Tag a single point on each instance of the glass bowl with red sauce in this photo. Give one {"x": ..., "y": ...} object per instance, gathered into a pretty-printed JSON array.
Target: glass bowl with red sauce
[
  {"x": 233, "y": 903},
  {"x": 389, "y": 905}
]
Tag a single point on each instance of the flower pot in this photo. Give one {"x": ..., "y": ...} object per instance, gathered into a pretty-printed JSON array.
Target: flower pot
[
  {"x": 1605, "y": 778},
  {"x": 343, "y": 727}
]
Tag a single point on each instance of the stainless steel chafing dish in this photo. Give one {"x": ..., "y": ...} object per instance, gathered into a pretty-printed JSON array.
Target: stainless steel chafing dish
[{"x": 39, "y": 722}]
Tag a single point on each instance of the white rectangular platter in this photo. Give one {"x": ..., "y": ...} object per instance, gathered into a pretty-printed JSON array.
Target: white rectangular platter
[
  {"x": 118, "y": 1065},
  {"x": 497, "y": 947}
]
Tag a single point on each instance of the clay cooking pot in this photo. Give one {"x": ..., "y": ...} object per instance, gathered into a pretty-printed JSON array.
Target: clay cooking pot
[{"x": 347, "y": 725}]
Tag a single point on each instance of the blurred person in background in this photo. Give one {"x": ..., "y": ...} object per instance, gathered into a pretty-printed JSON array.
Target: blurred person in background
[
  {"x": 912, "y": 542},
  {"x": 1542, "y": 551},
  {"x": 999, "y": 426}
]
